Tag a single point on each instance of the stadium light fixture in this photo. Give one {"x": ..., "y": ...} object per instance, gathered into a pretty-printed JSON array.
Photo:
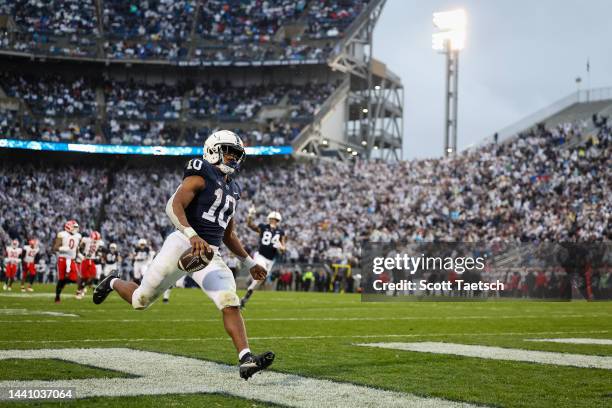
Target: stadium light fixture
[
  {"x": 449, "y": 39},
  {"x": 451, "y": 26}
]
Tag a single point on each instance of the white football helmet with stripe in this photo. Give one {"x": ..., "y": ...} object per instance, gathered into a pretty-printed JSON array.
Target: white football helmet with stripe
[{"x": 223, "y": 142}]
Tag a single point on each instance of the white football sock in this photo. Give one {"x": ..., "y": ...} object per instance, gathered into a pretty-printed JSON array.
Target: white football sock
[
  {"x": 243, "y": 352},
  {"x": 112, "y": 282}
]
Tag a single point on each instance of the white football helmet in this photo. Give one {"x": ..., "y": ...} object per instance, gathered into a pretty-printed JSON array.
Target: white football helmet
[
  {"x": 222, "y": 142},
  {"x": 275, "y": 215},
  {"x": 112, "y": 247}
]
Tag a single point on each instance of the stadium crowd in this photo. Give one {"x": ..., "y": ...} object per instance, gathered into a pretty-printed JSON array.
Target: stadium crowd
[
  {"x": 529, "y": 189},
  {"x": 60, "y": 109},
  {"x": 165, "y": 29}
]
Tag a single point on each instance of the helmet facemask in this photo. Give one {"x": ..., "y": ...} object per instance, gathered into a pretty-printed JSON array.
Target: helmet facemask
[{"x": 230, "y": 158}]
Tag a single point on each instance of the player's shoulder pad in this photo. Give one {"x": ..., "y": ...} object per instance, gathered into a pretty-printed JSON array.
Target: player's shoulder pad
[{"x": 199, "y": 167}]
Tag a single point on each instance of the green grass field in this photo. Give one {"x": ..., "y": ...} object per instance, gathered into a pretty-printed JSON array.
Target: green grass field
[{"x": 314, "y": 335}]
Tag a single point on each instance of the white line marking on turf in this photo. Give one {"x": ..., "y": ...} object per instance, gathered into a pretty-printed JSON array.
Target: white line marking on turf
[
  {"x": 320, "y": 319},
  {"x": 607, "y": 342},
  {"x": 26, "y": 312},
  {"x": 499, "y": 353},
  {"x": 356, "y": 336},
  {"x": 166, "y": 374}
]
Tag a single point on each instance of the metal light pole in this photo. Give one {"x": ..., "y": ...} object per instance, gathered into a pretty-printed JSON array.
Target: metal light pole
[{"x": 449, "y": 40}]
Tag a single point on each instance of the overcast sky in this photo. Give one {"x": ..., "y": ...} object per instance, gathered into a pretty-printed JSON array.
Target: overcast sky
[{"x": 520, "y": 56}]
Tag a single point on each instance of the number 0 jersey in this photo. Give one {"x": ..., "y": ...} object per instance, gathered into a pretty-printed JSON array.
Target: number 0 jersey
[
  {"x": 269, "y": 240},
  {"x": 70, "y": 243},
  {"x": 212, "y": 208}
]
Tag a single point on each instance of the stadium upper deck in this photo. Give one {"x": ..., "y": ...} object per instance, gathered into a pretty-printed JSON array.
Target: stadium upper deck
[
  {"x": 187, "y": 32},
  {"x": 165, "y": 73}
]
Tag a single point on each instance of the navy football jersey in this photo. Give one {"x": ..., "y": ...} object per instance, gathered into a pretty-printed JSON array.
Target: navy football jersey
[
  {"x": 269, "y": 238},
  {"x": 110, "y": 258},
  {"x": 141, "y": 254},
  {"x": 212, "y": 208}
]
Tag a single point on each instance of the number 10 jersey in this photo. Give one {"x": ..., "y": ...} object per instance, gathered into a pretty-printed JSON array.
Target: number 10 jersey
[{"x": 212, "y": 208}]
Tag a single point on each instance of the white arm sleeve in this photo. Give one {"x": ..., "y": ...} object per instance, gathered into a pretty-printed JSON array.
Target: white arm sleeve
[
  {"x": 170, "y": 213},
  {"x": 188, "y": 231}
]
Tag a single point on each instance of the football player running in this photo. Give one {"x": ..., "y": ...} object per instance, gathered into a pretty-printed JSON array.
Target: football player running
[
  {"x": 88, "y": 249},
  {"x": 272, "y": 240},
  {"x": 142, "y": 256},
  {"x": 202, "y": 209},
  {"x": 65, "y": 245},
  {"x": 28, "y": 270},
  {"x": 111, "y": 259},
  {"x": 11, "y": 262}
]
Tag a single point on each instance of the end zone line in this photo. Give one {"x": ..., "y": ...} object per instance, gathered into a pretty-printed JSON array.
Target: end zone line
[{"x": 159, "y": 374}]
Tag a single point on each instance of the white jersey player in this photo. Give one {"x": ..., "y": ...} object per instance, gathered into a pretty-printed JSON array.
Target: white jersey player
[
  {"x": 202, "y": 210},
  {"x": 66, "y": 245},
  {"x": 11, "y": 261},
  {"x": 30, "y": 256},
  {"x": 88, "y": 249}
]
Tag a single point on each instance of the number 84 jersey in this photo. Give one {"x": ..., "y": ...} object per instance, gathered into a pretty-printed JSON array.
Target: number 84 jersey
[{"x": 212, "y": 208}]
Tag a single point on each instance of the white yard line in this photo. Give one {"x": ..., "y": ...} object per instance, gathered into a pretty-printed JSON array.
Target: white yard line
[
  {"x": 327, "y": 319},
  {"x": 356, "y": 336},
  {"x": 499, "y": 353},
  {"x": 26, "y": 312},
  {"x": 572, "y": 340},
  {"x": 167, "y": 374}
]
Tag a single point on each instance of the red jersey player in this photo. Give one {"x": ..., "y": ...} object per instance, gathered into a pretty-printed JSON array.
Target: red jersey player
[
  {"x": 88, "y": 249},
  {"x": 66, "y": 244},
  {"x": 12, "y": 259},
  {"x": 30, "y": 253}
]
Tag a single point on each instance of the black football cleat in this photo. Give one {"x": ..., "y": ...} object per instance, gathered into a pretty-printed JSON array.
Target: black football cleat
[
  {"x": 103, "y": 289},
  {"x": 251, "y": 364}
]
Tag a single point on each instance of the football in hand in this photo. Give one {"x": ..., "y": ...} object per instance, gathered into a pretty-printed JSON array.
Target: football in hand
[{"x": 192, "y": 263}]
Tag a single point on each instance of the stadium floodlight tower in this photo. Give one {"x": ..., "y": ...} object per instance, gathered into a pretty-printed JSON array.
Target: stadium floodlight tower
[
  {"x": 449, "y": 40},
  {"x": 364, "y": 115}
]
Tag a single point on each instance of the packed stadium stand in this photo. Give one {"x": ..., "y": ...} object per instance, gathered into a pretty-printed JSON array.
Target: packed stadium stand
[
  {"x": 163, "y": 73},
  {"x": 190, "y": 31},
  {"x": 278, "y": 73}
]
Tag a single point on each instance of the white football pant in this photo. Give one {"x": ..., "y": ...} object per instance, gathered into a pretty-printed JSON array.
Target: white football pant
[{"x": 216, "y": 279}]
